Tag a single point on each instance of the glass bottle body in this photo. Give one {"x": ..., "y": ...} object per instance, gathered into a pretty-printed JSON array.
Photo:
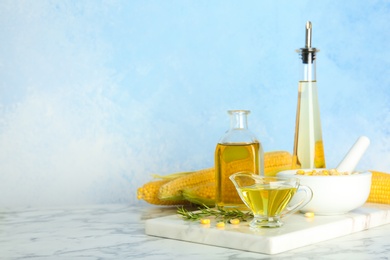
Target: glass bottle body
[
  {"x": 237, "y": 151},
  {"x": 308, "y": 143}
]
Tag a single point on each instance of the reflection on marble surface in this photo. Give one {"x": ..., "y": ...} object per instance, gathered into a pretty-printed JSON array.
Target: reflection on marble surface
[{"x": 117, "y": 232}]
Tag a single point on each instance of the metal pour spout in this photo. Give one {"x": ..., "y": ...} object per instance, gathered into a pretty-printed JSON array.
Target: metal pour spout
[
  {"x": 308, "y": 53},
  {"x": 308, "y": 35}
]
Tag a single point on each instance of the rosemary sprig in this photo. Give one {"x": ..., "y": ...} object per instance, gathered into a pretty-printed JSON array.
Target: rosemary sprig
[{"x": 219, "y": 213}]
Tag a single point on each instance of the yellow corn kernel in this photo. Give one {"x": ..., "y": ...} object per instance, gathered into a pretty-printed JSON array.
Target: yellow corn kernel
[
  {"x": 234, "y": 221},
  {"x": 149, "y": 193},
  {"x": 205, "y": 221},
  {"x": 309, "y": 214},
  {"x": 220, "y": 224},
  {"x": 380, "y": 188}
]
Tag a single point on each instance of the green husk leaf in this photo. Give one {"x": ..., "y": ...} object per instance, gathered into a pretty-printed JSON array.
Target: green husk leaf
[{"x": 171, "y": 176}]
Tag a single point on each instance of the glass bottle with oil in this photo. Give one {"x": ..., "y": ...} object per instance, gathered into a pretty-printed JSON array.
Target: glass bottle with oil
[
  {"x": 308, "y": 144},
  {"x": 238, "y": 151}
]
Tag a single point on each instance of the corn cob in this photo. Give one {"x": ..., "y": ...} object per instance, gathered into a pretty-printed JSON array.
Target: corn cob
[
  {"x": 380, "y": 188},
  {"x": 173, "y": 189},
  {"x": 276, "y": 161},
  {"x": 149, "y": 191},
  {"x": 203, "y": 194},
  {"x": 273, "y": 163}
]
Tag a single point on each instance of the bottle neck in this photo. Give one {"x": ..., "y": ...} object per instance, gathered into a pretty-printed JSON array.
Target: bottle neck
[
  {"x": 309, "y": 71},
  {"x": 238, "y": 131},
  {"x": 238, "y": 119},
  {"x": 309, "y": 66}
]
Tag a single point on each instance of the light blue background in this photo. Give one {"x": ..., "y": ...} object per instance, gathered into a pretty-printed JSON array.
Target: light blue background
[{"x": 95, "y": 96}]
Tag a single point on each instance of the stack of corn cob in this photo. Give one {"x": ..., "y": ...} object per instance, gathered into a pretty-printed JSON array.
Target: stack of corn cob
[{"x": 198, "y": 187}]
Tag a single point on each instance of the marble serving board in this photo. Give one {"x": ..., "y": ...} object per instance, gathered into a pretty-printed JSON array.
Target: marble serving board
[{"x": 298, "y": 230}]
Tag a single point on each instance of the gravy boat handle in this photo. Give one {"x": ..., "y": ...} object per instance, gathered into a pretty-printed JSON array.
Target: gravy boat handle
[{"x": 298, "y": 202}]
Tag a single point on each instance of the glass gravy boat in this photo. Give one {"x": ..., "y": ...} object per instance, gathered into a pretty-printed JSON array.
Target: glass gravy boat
[{"x": 269, "y": 197}]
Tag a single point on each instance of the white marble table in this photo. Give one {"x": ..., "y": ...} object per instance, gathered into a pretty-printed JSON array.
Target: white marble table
[{"x": 117, "y": 232}]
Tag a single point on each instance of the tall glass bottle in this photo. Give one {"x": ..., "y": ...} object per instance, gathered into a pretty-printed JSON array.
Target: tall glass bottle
[
  {"x": 237, "y": 151},
  {"x": 308, "y": 144}
]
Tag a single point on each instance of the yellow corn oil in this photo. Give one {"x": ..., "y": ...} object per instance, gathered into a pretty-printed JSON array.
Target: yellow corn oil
[
  {"x": 229, "y": 159},
  {"x": 237, "y": 151},
  {"x": 308, "y": 144},
  {"x": 267, "y": 201}
]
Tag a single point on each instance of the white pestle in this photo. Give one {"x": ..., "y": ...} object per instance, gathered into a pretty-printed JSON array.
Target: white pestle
[{"x": 354, "y": 155}]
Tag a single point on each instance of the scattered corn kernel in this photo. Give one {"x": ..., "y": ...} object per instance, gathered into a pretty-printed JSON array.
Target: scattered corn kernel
[
  {"x": 220, "y": 224},
  {"x": 331, "y": 172},
  {"x": 234, "y": 221},
  {"x": 309, "y": 214},
  {"x": 205, "y": 221}
]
